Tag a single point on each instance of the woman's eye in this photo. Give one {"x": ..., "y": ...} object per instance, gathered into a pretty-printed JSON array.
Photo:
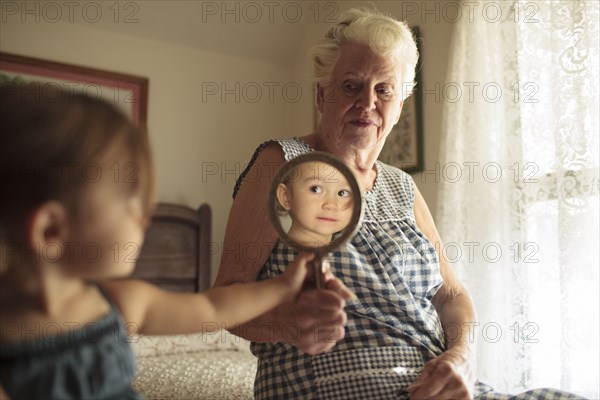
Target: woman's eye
[
  {"x": 385, "y": 92},
  {"x": 344, "y": 193},
  {"x": 316, "y": 189},
  {"x": 350, "y": 87}
]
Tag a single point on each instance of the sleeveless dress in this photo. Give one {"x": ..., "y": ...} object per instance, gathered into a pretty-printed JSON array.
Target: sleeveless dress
[
  {"x": 393, "y": 328},
  {"x": 93, "y": 362}
]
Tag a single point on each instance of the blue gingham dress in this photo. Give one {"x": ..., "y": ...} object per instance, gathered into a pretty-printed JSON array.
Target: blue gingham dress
[{"x": 393, "y": 328}]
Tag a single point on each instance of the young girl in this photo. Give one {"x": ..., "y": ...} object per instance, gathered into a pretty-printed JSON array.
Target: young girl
[
  {"x": 76, "y": 180},
  {"x": 318, "y": 202}
]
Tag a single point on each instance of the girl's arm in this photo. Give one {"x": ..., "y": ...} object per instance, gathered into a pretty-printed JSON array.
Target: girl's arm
[{"x": 155, "y": 311}]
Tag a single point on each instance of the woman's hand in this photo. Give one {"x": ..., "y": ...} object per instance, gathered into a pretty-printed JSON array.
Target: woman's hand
[
  {"x": 314, "y": 322},
  {"x": 318, "y": 319},
  {"x": 448, "y": 376}
]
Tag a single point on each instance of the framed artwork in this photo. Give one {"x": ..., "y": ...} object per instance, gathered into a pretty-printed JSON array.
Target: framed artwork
[
  {"x": 127, "y": 92},
  {"x": 404, "y": 145}
]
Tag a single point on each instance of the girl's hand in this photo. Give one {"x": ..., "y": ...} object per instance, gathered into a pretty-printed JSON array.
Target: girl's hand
[
  {"x": 296, "y": 275},
  {"x": 301, "y": 271}
]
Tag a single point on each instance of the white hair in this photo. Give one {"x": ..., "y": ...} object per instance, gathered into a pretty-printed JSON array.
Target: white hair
[{"x": 383, "y": 34}]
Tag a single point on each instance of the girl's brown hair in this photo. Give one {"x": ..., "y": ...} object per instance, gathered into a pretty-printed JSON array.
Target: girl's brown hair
[{"x": 51, "y": 145}]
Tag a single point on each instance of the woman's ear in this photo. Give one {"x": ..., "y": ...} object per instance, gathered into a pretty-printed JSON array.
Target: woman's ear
[
  {"x": 283, "y": 196},
  {"x": 320, "y": 97},
  {"x": 48, "y": 224}
]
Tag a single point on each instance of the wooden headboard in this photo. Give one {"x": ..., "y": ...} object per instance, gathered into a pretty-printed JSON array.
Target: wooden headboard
[{"x": 175, "y": 253}]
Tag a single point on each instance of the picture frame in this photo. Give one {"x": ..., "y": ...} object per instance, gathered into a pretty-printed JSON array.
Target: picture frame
[
  {"x": 404, "y": 145},
  {"x": 128, "y": 93}
]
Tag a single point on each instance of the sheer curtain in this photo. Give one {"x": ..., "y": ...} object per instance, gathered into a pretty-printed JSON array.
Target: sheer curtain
[{"x": 518, "y": 205}]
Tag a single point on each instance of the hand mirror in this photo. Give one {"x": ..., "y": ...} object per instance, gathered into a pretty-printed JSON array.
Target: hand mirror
[{"x": 315, "y": 205}]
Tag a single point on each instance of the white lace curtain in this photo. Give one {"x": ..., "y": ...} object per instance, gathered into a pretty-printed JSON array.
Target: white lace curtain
[{"x": 518, "y": 205}]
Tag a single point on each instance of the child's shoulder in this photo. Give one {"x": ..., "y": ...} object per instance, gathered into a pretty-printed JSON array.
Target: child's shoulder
[
  {"x": 131, "y": 297},
  {"x": 47, "y": 317},
  {"x": 93, "y": 358}
]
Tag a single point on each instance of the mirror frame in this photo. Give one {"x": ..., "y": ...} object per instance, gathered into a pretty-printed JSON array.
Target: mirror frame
[{"x": 357, "y": 207}]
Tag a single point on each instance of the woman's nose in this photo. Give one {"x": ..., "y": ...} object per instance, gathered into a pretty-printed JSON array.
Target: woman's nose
[{"x": 366, "y": 100}]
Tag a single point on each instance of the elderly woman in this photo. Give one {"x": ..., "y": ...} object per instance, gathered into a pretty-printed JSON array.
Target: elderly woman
[{"x": 407, "y": 332}]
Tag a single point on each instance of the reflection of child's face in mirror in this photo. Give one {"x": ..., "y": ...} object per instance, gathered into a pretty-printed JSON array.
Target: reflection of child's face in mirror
[{"x": 318, "y": 200}]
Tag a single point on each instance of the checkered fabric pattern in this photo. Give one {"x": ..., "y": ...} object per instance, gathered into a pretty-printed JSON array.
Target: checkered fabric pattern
[{"x": 393, "y": 328}]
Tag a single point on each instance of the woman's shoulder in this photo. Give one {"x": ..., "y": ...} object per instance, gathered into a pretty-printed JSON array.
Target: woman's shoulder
[
  {"x": 393, "y": 195},
  {"x": 394, "y": 175},
  {"x": 290, "y": 145},
  {"x": 269, "y": 156},
  {"x": 294, "y": 147}
]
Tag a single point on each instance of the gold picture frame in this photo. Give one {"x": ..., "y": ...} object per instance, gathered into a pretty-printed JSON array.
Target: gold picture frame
[{"x": 129, "y": 93}]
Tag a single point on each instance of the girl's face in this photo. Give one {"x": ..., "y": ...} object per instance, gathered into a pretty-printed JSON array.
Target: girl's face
[
  {"x": 108, "y": 231},
  {"x": 319, "y": 201}
]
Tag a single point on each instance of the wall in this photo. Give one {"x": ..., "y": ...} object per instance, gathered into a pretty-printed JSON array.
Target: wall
[
  {"x": 187, "y": 135},
  {"x": 191, "y": 136}
]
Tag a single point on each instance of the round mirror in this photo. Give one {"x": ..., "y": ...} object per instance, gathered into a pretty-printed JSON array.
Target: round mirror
[{"x": 315, "y": 205}]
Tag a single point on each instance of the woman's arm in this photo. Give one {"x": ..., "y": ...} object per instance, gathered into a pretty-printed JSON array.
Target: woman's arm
[
  {"x": 155, "y": 311},
  {"x": 450, "y": 375},
  {"x": 249, "y": 235},
  {"x": 313, "y": 321}
]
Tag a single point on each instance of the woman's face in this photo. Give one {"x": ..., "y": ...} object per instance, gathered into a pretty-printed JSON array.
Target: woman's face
[{"x": 363, "y": 100}]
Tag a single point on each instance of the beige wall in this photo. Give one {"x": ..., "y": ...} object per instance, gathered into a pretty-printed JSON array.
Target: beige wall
[{"x": 189, "y": 135}]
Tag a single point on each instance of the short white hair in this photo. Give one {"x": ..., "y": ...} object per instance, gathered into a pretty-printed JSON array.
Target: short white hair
[{"x": 384, "y": 35}]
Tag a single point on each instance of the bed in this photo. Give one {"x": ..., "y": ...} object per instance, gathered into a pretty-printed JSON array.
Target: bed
[{"x": 211, "y": 365}]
